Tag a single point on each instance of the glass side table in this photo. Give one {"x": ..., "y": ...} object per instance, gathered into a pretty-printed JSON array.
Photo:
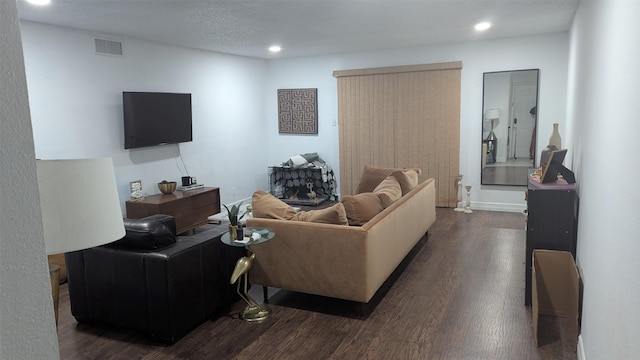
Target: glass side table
[{"x": 254, "y": 312}]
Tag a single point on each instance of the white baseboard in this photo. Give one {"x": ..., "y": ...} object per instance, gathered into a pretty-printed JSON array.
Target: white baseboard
[
  {"x": 498, "y": 207},
  {"x": 580, "y": 350}
]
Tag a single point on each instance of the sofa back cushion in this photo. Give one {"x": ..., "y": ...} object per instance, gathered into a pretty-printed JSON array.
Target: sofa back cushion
[
  {"x": 372, "y": 176},
  {"x": 265, "y": 205},
  {"x": 362, "y": 207},
  {"x": 389, "y": 191}
]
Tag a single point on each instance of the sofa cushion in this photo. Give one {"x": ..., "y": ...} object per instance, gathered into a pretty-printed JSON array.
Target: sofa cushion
[
  {"x": 373, "y": 175},
  {"x": 388, "y": 191},
  {"x": 361, "y": 207},
  {"x": 265, "y": 205},
  {"x": 408, "y": 179},
  {"x": 335, "y": 214}
]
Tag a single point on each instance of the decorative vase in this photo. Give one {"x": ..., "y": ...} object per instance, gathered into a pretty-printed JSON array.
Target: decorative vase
[
  {"x": 233, "y": 232},
  {"x": 555, "y": 138},
  {"x": 167, "y": 187}
]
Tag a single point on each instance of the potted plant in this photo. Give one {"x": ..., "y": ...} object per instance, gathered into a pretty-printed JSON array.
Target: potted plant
[{"x": 234, "y": 217}]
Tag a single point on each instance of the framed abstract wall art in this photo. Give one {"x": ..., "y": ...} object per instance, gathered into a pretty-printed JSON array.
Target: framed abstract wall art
[{"x": 298, "y": 111}]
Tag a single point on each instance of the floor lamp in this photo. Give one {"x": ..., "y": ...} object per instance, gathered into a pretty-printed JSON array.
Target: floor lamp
[
  {"x": 80, "y": 207},
  {"x": 492, "y": 116}
]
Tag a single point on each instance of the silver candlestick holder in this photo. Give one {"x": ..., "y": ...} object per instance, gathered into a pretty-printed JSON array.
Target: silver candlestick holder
[{"x": 467, "y": 208}]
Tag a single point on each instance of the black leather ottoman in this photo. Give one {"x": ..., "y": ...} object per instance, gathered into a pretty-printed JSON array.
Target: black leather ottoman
[{"x": 152, "y": 281}]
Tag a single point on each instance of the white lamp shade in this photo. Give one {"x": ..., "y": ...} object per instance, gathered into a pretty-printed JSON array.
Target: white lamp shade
[
  {"x": 79, "y": 203},
  {"x": 492, "y": 114}
]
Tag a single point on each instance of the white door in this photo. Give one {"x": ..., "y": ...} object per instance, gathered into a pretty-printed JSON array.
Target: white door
[{"x": 523, "y": 98}]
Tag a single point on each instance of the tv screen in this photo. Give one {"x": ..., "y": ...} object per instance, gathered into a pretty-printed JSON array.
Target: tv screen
[{"x": 155, "y": 118}]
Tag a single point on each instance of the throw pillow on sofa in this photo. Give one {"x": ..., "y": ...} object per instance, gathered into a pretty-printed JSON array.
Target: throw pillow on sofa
[
  {"x": 331, "y": 215},
  {"x": 408, "y": 179},
  {"x": 389, "y": 191},
  {"x": 361, "y": 207},
  {"x": 265, "y": 205},
  {"x": 372, "y": 176}
]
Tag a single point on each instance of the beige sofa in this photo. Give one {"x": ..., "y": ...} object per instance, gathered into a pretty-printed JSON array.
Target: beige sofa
[{"x": 340, "y": 261}]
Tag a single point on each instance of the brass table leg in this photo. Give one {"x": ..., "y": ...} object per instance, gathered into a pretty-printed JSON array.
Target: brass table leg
[{"x": 254, "y": 312}]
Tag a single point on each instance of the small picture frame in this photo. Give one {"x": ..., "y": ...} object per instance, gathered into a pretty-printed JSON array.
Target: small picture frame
[
  {"x": 135, "y": 187},
  {"x": 554, "y": 166}
]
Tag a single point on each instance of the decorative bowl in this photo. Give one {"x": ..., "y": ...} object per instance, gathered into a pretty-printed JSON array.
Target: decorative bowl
[{"x": 167, "y": 187}]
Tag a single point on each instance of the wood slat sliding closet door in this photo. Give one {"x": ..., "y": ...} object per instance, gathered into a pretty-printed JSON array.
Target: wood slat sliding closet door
[{"x": 404, "y": 116}]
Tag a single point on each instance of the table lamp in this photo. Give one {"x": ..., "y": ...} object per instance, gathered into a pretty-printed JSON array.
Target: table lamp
[{"x": 80, "y": 207}]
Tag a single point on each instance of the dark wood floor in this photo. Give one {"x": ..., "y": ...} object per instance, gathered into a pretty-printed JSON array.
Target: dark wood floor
[{"x": 460, "y": 297}]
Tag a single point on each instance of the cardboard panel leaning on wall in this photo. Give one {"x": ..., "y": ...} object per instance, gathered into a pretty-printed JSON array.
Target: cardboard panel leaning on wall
[{"x": 555, "y": 291}]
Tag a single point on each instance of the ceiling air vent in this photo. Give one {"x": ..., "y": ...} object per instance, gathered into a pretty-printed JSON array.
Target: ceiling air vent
[{"x": 108, "y": 47}]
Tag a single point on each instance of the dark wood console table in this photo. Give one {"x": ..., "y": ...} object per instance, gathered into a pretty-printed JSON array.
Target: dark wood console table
[
  {"x": 551, "y": 223},
  {"x": 190, "y": 208}
]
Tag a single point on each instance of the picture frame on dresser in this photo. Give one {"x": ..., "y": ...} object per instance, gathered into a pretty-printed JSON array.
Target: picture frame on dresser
[
  {"x": 555, "y": 167},
  {"x": 135, "y": 189}
]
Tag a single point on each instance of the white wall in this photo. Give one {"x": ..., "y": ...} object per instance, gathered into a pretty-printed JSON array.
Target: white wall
[
  {"x": 76, "y": 107},
  {"x": 604, "y": 84},
  {"x": 76, "y": 110},
  {"x": 27, "y": 323},
  {"x": 549, "y": 53},
  {"x": 76, "y": 102}
]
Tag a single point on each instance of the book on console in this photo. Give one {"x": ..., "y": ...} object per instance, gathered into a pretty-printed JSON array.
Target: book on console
[{"x": 191, "y": 187}]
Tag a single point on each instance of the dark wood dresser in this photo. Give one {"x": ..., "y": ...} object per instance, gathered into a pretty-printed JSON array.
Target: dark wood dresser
[
  {"x": 551, "y": 223},
  {"x": 190, "y": 208}
]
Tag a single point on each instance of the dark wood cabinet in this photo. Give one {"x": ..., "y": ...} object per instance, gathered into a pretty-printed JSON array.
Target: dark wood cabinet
[
  {"x": 551, "y": 223},
  {"x": 190, "y": 208}
]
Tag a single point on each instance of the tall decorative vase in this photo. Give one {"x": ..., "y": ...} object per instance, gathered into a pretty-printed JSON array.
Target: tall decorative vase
[{"x": 555, "y": 138}]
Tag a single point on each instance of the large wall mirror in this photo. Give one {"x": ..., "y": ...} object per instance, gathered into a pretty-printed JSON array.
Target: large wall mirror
[{"x": 509, "y": 112}]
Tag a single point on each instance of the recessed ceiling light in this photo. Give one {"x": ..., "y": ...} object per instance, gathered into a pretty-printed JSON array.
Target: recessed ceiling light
[
  {"x": 275, "y": 48},
  {"x": 39, "y": 2},
  {"x": 482, "y": 26}
]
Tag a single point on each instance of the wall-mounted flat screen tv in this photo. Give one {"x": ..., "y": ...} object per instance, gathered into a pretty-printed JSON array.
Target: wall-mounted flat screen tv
[{"x": 156, "y": 118}]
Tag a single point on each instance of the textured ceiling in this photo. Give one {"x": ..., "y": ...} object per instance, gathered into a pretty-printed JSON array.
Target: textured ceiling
[{"x": 305, "y": 27}]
